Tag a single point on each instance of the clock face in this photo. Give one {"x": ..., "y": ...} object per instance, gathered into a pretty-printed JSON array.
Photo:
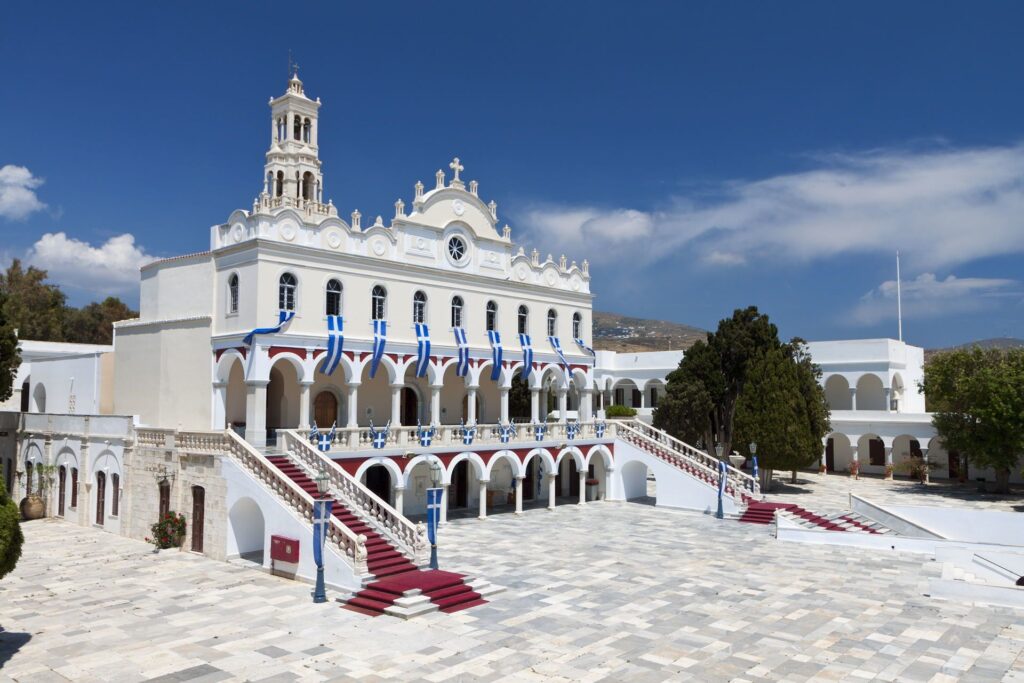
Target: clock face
[{"x": 458, "y": 207}]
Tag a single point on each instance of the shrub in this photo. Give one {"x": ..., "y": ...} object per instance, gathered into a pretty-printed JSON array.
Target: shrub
[
  {"x": 11, "y": 538},
  {"x": 619, "y": 411},
  {"x": 169, "y": 531}
]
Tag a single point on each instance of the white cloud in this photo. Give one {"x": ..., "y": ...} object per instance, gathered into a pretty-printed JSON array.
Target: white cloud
[
  {"x": 18, "y": 198},
  {"x": 111, "y": 268},
  {"x": 929, "y": 297},
  {"x": 940, "y": 207}
]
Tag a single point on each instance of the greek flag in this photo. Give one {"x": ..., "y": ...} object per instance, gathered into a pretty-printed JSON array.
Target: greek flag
[
  {"x": 321, "y": 518},
  {"x": 460, "y": 341},
  {"x": 599, "y": 429},
  {"x": 380, "y": 338},
  {"x": 539, "y": 430},
  {"x": 506, "y": 433},
  {"x": 557, "y": 346},
  {"x": 433, "y": 513},
  {"x": 468, "y": 434},
  {"x": 283, "y": 318},
  {"x": 426, "y": 436},
  {"x": 314, "y": 433},
  {"x": 755, "y": 473},
  {"x": 571, "y": 429},
  {"x": 324, "y": 441},
  {"x": 335, "y": 340},
  {"x": 579, "y": 343},
  {"x": 524, "y": 341},
  {"x": 379, "y": 437},
  {"x": 721, "y": 478},
  {"x": 422, "y": 349},
  {"x": 495, "y": 339}
]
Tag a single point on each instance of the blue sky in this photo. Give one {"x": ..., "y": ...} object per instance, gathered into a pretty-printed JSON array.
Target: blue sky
[{"x": 703, "y": 156}]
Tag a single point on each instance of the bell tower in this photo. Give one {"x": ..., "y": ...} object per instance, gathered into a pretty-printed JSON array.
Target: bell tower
[{"x": 293, "y": 175}]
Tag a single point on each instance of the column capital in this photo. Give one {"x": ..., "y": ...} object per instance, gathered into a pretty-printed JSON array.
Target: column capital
[
  {"x": 258, "y": 383},
  {"x": 307, "y": 382},
  {"x": 520, "y": 477},
  {"x": 399, "y": 488},
  {"x": 397, "y": 385},
  {"x": 219, "y": 385},
  {"x": 353, "y": 385},
  {"x": 484, "y": 481}
]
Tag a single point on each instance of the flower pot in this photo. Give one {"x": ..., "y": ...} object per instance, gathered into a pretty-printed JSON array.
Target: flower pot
[
  {"x": 32, "y": 507},
  {"x": 737, "y": 460}
]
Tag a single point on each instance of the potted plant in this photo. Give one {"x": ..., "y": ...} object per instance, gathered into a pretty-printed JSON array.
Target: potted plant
[
  {"x": 617, "y": 411},
  {"x": 33, "y": 505},
  {"x": 168, "y": 532},
  {"x": 855, "y": 469},
  {"x": 917, "y": 468}
]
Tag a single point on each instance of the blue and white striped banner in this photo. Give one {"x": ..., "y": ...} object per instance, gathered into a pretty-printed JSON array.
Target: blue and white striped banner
[
  {"x": 579, "y": 343},
  {"x": 380, "y": 338},
  {"x": 335, "y": 341},
  {"x": 468, "y": 434},
  {"x": 283, "y": 318},
  {"x": 425, "y": 436},
  {"x": 557, "y": 346},
  {"x": 462, "y": 367},
  {"x": 379, "y": 437},
  {"x": 495, "y": 340},
  {"x": 524, "y": 341},
  {"x": 506, "y": 433},
  {"x": 422, "y": 349}
]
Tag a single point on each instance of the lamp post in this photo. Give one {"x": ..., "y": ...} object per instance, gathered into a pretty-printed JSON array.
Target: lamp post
[
  {"x": 753, "y": 457},
  {"x": 321, "y": 514},
  {"x": 435, "y": 499},
  {"x": 720, "y": 514}
]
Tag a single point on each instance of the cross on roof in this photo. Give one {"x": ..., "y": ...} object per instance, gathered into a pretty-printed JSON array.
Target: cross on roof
[{"x": 457, "y": 167}]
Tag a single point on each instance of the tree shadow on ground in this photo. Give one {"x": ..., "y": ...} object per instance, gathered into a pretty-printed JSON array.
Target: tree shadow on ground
[
  {"x": 801, "y": 487},
  {"x": 971, "y": 491},
  {"x": 10, "y": 643}
]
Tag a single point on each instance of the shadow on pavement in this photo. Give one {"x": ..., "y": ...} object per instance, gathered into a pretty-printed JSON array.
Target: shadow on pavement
[{"x": 10, "y": 643}]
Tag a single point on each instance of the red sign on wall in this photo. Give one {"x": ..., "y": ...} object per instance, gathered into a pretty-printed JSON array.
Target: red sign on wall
[{"x": 284, "y": 549}]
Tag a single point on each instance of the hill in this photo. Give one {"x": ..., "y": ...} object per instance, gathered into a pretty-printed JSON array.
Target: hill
[
  {"x": 994, "y": 343},
  {"x": 614, "y": 332}
]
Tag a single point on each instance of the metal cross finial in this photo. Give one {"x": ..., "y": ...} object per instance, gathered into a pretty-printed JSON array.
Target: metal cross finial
[
  {"x": 457, "y": 167},
  {"x": 293, "y": 68}
]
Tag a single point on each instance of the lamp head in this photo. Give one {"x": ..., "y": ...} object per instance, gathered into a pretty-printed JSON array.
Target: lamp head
[
  {"x": 753, "y": 447},
  {"x": 718, "y": 449}
]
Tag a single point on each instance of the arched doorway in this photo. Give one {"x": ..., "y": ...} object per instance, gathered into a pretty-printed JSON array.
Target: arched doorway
[
  {"x": 101, "y": 496},
  {"x": 837, "y": 393},
  {"x": 458, "y": 491},
  {"x": 25, "y": 395},
  {"x": 247, "y": 530},
  {"x": 62, "y": 476},
  {"x": 530, "y": 480},
  {"x": 39, "y": 399},
  {"x": 325, "y": 409},
  {"x": 198, "y": 517},
  {"x": 635, "y": 477},
  {"x": 410, "y": 406},
  {"x": 282, "y": 398},
  {"x": 377, "y": 478}
]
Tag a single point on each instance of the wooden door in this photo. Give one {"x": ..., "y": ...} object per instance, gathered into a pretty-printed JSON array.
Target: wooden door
[
  {"x": 325, "y": 409},
  {"x": 165, "y": 499},
  {"x": 62, "y": 476},
  {"x": 830, "y": 456},
  {"x": 198, "y": 517},
  {"x": 410, "y": 407},
  {"x": 101, "y": 496}
]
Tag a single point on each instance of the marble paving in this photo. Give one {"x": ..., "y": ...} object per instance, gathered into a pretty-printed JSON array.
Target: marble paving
[{"x": 601, "y": 592}]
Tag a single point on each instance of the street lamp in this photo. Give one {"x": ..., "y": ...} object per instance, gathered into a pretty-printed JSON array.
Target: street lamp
[
  {"x": 321, "y": 514},
  {"x": 753, "y": 457},
  {"x": 435, "y": 499},
  {"x": 718, "y": 450},
  {"x": 720, "y": 514}
]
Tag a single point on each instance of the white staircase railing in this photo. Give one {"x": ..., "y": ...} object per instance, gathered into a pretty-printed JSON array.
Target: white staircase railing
[
  {"x": 410, "y": 538},
  {"x": 737, "y": 481},
  {"x": 351, "y": 546}
]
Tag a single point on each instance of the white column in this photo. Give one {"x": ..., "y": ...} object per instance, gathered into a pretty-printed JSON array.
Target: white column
[
  {"x": 563, "y": 402},
  {"x": 435, "y": 405},
  {"x": 471, "y": 406},
  {"x": 353, "y": 405},
  {"x": 399, "y": 499},
  {"x": 853, "y": 398},
  {"x": 483, "y": 499},
  {"x": 396, "y": 405},
  {"x": 551, "y": 490},
  {"x": 255, "y": 412},
  {"x": 888, "y": 462},
  {"x": 888, "y": 404},
  {"x": 853, "y": 458},
  {"x": 583, "y": 486},
  {"x": 924, "y": 460},
  {"x": 534, "y": 405},
  {"x": 823, "y": 466},
  {"x": 643, "y": 397},
  {"x": 504, "y": 404},
  {"x": 220, "y": 405},
  {"x": 542, "y": 414},
  {"x": 444, "y": 505},
  {"x": 586, "y": 405},
  {"x": 305, "y": 388},
  {"x": 519, "y": 495}
]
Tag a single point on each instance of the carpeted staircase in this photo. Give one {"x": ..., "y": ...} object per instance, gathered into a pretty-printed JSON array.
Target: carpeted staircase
[
  {"x": 394, "y": 572},
  {"x": 764, "y": 513}
]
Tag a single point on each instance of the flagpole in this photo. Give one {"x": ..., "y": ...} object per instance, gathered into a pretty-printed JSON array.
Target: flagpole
[{"x": 899, "y": 297}]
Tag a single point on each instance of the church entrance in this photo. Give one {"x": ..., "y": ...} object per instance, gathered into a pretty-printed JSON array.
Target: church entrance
[
  {"x": 830, "y": 456},
  {"x": 530, "y": 481},
  {"x": 410, "y": 407},
  {"x": 574, "y": 479},
  {"x": 198, "y": 517},
  {"x": 378, "y": 480},
  {"x": 325, "y": 409},
  {"x": 458, "y": 492}
]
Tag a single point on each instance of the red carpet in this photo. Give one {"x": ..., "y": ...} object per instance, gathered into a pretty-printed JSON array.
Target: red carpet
[{"x": 764, "y": 513}]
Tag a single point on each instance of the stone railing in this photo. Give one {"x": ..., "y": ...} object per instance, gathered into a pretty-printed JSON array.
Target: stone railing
[
  {"x": 308, "y": 206},
  {"x": 739, "y": 484},
  {"x": 405, "y": 437},
  {"x": 410, "y": 538}
]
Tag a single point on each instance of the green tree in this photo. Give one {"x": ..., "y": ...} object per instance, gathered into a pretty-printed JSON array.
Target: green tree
[
  {"x": 10, "y": 357},
  {"x": 94, "y": 323},
  {"x": 701, "y": 394},
  {"x": 977, "y": 396},
  {"x": 519, "y": 399},
  {"x": 783, "y": 409},
  {"x": 11, "y": 538},
  {"x": 33, "y": 307}
]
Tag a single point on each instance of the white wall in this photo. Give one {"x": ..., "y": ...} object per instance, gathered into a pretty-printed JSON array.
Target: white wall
[{"x": 962, "y": 524}]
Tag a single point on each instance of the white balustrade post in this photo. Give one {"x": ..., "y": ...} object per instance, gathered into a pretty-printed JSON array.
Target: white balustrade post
[
  {"x": 435, "y": 405},
  {"x": 396, "y": 405},
  {"x": 483, "y": 499},
  {"x": 256, "y": 412},
  {"x": 583, "y": 486},
  {"x": 504, "y": 405},
  {"x": 305, "y": 388},
  {"x": 534, "y": 405},
  {"x": 519, "y": 495},
  {"x": 400, "y": 500},
  {"x": 551, "y": 490}
]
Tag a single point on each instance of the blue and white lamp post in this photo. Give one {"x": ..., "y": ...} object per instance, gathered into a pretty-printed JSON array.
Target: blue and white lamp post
[
  {"x": 321, "y": 518},
  {"x": 435, "y": 499},
  {"x": 720, "y": 514},
  {"x": 753, "y": 458}
]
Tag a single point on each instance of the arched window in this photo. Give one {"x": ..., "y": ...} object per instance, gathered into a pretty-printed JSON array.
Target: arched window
[
  {"x": 419, "y": 307},
  {"x": 577, "y": 326},
  {"x": 115, "y": 486},
  {"x": 233, "y": 293},
  {"x": 307, "y": 185},
  {"x": 456, "y": 311},
  {"x": 101, "y": 496},
  {"x": 305, "y": 130},
  {"x": 74, "y": 487},
  {"x": 297, "y": 127},
  {"x": 62, "y": 478},
  {"x": 524, "y": 319},
  {"x": 492, "y": 316},
  {"x": 28, "y": 478},
  {"x": 286, "y": 292},
  {"x": 552, "y": 322},
  {"x": 333, "y": 299},
  {"x": 279, "y": 188},
  {"x": 164, "y": 506},
  {"x": 377, "y": 300}
]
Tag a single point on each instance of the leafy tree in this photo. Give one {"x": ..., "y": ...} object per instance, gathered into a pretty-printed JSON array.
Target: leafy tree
[
  {"x": 10, "y": 357},
  {"x": 11, "y": 538},
  {"x": 94, "y": 323},
  {"x": 977, "y": 396},
  {"x": 519, "y": 399},
  {"x": 783, "y": 409},
  {"x": 702, "y": 393},
  {"x": 33, "y": 307}
]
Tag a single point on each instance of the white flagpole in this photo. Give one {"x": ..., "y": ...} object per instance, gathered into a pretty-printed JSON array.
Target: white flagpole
[{"x": 899, "y": 297}]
